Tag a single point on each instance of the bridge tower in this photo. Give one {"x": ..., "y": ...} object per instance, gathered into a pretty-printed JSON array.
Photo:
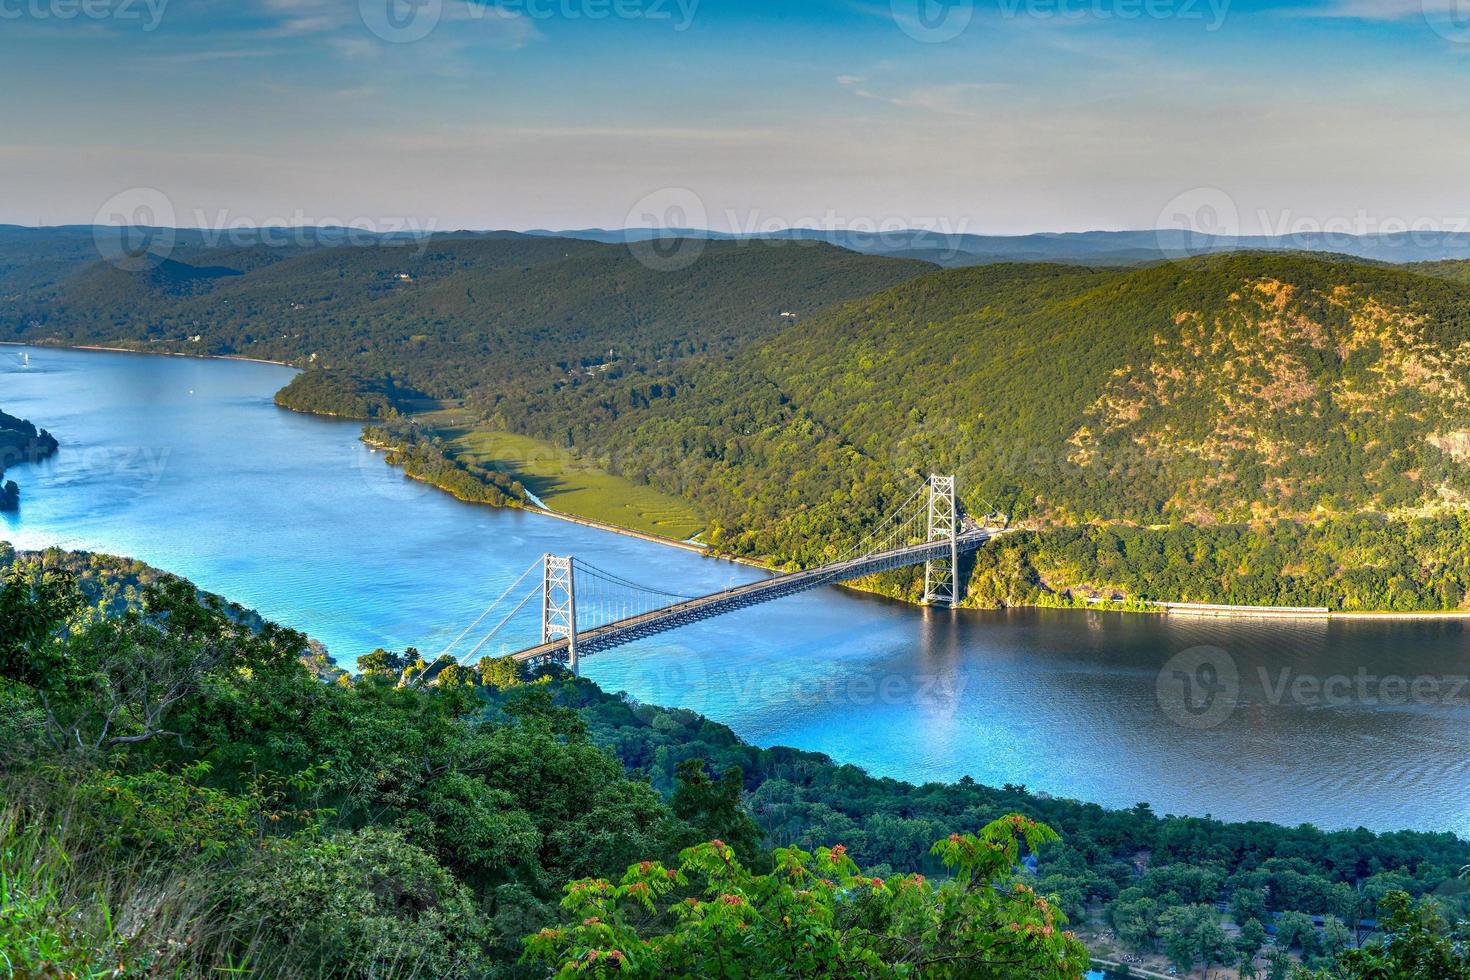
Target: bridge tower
[
  {"x": 941, "y": 575},
  {"x": 559, "y": 605}
]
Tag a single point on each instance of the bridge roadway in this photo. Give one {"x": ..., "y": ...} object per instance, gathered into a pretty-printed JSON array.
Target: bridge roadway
[{"x": 706, "y": 607}]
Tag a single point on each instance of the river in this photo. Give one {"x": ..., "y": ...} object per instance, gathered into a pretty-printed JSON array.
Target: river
[{"x": 186, "y": 464}]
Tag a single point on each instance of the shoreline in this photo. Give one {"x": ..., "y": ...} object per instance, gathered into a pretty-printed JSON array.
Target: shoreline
[
  {"x": 538, "y": 507},
  {"x": 1225, "y": 611},
  {"x": 1166, "y": 608},
  {"x": 154, "y": 353}
]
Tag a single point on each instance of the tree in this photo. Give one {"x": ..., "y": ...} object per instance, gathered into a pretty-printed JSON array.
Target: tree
[
  {"x": 1192, "y": 932},
  {"x": 364, "y": 903},
  {"x": 713, "y": 807},
  {"x": 1252, "y": 937},
  {"x": 1335, "y": 935},
  {"x": 818, "y": 915},
  {"x": 1247, "y": 903},
  {"x": 104, "y": 683},
  {"x": 1296, "y": 929},
  {"x": 1176, "y": 929},
  {"x": 500, "y": 672},
  {"x": 382, "y": 663},
  {"x": 1135, "y": 921},
  {"x": 1417, "y": 942}
]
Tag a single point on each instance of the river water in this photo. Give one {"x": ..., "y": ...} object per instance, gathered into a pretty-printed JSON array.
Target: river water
[{"x": 187, "y": 464}]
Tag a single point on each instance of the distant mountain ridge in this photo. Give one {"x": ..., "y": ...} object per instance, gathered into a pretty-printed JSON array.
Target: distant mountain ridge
[
  {"x": 39, "y": 257},
  {"x": 1080, "y": 247}
]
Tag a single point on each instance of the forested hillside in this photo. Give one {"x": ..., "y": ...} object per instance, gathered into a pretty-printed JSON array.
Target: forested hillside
[
  {"x": 450, "y": 316},
  {"x": 1209, "y": 391},
  {"x": 1260, "y": 390},
  {"x": 186, "y": 791},
  {"x": 792, "y": 392}
]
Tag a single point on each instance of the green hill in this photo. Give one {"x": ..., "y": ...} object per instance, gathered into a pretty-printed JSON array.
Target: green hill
[
  {"x": 1269, "y": 428},
  {"x": 1455, "y": 269},
  {"x": 1275, "y": 390},
  {"x": 451, "y": 315}
]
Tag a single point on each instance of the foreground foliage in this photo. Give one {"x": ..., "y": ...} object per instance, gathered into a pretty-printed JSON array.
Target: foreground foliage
[
  {"x": 818, "y": 915},
  {"x": 175, "y": 749},
  {"x": 188, "y": 791}
]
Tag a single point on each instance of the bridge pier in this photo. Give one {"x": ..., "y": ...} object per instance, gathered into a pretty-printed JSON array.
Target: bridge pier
[
  {"x": 941, "y": 575},
  {"x": 559, "y": 606}
]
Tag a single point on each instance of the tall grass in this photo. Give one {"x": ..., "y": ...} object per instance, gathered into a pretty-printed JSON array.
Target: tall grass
[
  {"x": 73, "y": 905},
  {"x": 71, "y": 908}
]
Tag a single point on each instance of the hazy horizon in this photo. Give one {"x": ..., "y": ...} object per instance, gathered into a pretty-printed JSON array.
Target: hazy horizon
[{"x": 999, "y": 118}]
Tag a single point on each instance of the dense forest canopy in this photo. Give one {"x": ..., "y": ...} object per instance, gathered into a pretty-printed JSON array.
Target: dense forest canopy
[
  {"x": 186, "y": 790},
  {"x": 450, "y": 315}
]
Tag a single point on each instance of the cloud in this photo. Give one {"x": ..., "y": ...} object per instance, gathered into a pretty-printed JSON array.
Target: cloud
[
  {"x": 223, "y": 54},
  {"x": 956, "y": 99},
  {"x": 354, "y": 47},
  {"x": 1385, "y": 10}
]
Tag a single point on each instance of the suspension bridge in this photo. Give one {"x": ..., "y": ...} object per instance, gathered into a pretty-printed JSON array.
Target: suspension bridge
[{"x": 586, "y": 609}]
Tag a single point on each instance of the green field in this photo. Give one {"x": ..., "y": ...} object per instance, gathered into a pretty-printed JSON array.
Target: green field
[{"x": 567, "y": 484}]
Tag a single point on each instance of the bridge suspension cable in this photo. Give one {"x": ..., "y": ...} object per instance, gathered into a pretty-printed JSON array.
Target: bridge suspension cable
[
  {"x": 905, "y": 524},
  {"x": 505, "y": 619},
  {"x": 605, "y": 597},
  {"x": 534, "y": 566},
  {"x": 585, "y": 604}
]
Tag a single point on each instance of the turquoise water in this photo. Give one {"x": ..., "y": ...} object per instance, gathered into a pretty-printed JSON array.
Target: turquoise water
[{"x": 188, "y": 465}]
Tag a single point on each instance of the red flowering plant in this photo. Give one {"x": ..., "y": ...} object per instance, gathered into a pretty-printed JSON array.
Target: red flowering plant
[{"x": 817, "y": 915}]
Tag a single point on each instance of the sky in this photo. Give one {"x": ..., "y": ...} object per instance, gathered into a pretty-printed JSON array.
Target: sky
[{"x": 991, "y": 117}]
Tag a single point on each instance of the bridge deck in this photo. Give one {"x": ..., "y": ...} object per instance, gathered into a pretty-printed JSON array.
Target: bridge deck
[{"x": 693, "y": 610}]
